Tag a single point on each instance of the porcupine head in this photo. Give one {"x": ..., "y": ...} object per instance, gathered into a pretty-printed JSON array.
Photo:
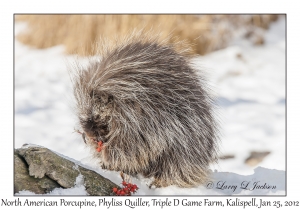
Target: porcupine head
[{"x": 151, "y": 108}]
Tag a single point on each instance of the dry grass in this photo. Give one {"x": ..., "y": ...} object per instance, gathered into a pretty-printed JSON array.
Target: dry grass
[{"x": 204, "y": 33}]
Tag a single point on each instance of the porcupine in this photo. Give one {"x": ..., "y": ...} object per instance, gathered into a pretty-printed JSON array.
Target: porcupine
[{"x": 153, "y": 111}]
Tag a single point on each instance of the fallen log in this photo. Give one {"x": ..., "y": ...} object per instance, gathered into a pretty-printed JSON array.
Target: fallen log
[{"x": 40, "y": 170}]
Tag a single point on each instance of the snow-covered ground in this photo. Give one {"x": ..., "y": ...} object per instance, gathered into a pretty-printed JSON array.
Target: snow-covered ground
[{"x": 249, "y": 82}]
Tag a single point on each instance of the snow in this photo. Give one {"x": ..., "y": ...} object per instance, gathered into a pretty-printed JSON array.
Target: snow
[{"x": 249, "y": 83}]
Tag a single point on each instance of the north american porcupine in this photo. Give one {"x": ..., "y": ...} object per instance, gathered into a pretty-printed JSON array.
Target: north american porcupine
[{"x": 152, "y": 110}]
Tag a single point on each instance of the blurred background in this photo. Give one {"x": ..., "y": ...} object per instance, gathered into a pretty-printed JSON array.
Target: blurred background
[
  {"x": 243, "y": 56},
  {"x": 206, "y": 33}
]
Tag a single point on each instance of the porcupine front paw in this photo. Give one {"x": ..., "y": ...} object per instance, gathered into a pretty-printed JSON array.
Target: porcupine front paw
[{"x": 107, "y": 167}]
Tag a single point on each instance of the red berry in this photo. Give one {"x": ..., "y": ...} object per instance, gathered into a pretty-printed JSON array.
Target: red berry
[
  {"x": 99, "y": 149},
  {"x": 122, "y": 192},
  {"x": 124, "y": 183},
  {"x": 115, "y": 189},
  {"x": 129, "y": 185}
]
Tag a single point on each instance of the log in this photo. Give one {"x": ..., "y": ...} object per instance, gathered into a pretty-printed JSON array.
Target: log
[{"x": 40, "y": 170}]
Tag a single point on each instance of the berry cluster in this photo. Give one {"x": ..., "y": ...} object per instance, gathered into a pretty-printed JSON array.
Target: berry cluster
[
  {"x": 128, "y": 189},
  {"x": 100, "y": 145}
]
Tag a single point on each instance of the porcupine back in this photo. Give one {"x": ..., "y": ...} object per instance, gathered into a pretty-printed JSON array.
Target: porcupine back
[{"x": 152, "y": 109}]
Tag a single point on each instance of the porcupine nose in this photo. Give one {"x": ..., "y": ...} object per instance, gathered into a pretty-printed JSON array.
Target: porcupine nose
[
  {"x": 90, "y": 135},
  {"x": 89, "y": 131}
]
